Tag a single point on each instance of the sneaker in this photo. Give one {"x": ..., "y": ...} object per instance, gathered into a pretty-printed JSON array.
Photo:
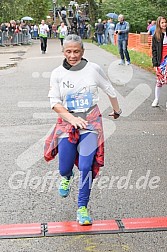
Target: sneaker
[
  {"x": 122, "y": 62},
  {"x": 64, "y": 187},
  {"x": 128, "y": 63},
  {"x": 82, "y": 216},
  {"x": 155, "y": 103}
]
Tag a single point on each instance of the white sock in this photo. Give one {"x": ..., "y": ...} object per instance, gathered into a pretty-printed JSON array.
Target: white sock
[{"x": 157, "y": 92}]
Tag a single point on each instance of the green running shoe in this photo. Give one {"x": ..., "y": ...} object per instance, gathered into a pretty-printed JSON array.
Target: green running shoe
[
  {"x": 82, "y": 216},
  {"x": 64, "y": 187}
]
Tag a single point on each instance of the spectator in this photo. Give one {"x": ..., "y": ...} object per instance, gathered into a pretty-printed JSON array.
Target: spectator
[
  {"x": 63, "y": 13},
  {"x": 88, "y": 30},
  {"x": 99, "y": 31},
  {"x": 105, "y": 35},
  {"x": 54, "y": 29},
  {"x": 111, "y": 30},
  {"x": 4, "y": 27},
  {"x": 70, "y": 10},
  {"x": 74, "y": 25},
  {"x": 148, "y": 25},
  {"x": 152, "y": 28},
  {"x": 35, "y": 31},
  {"x": 32, "y": 31},
  {"x": 11, "y": 31},
  {"x": 122, "y": 29},
  {"x": 159, "y": 56},
  {"x": 50, "y": 30}
]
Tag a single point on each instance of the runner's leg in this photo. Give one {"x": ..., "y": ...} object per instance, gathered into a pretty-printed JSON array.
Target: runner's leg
[{"x": 87, "y": 150}]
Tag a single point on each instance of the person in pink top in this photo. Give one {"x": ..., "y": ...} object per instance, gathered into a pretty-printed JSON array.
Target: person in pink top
[{"x": 148, "y": 25}]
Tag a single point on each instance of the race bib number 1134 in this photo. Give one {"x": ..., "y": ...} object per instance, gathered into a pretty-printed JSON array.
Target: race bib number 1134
[{"x": 79, "y": 101}]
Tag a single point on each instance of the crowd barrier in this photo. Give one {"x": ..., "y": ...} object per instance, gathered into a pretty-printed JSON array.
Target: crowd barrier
[
  {"x": 139, "y": 42},
  {"x": 20, "y": 38}
]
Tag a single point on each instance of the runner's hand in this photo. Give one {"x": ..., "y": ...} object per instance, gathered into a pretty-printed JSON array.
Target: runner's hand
[{"x": 79, "y": 123}]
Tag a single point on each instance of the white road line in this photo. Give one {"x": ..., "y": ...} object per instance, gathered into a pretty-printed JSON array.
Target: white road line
[
  {"x": 45, "y": 57},
  {"x": 34, "y": 104}
]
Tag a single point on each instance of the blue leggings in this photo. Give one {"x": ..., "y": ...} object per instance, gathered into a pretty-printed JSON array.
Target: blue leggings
[{"x": 86, "y": 147}]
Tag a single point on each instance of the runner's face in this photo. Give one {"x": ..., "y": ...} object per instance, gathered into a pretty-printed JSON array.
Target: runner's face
[
  {"x": 73, "y": 53},
  {"x": 163, "y": 24}
]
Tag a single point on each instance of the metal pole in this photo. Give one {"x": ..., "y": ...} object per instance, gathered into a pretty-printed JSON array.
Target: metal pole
[{"x": 54, "y": 10}]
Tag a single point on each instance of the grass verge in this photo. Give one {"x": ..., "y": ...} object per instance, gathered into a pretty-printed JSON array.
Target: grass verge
[{"x": 137, "y": 58}]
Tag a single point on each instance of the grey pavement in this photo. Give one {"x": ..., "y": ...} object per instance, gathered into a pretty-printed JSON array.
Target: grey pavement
[
  {"x": 132, "y": 184},
  {"x": 11, "y": 55}
]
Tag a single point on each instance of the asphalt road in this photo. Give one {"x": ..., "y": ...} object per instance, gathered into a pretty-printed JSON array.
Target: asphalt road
[{"x": 132, "y": 183}]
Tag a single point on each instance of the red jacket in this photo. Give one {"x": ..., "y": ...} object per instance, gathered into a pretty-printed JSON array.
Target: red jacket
[{"x": 94, "y": 118}]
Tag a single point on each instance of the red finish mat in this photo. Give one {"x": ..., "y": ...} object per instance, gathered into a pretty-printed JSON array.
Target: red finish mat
[
  {"x": 73, "y": 228},
  {"x": 152, "y": 224},
  {"x": 101, "y": 226},
  {"x": 21, "y": 230}
]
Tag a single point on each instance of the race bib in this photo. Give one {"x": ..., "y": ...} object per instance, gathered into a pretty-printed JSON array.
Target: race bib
[
  {"x": 79, "y": 102},
  {"x": 63, "y": 33}
]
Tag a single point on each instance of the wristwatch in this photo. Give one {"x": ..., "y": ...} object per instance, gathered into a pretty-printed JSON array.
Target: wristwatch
[{"x": 118, "y": 113}]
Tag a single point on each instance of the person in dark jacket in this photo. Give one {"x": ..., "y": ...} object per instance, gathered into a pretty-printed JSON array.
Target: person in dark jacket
[
  {"x": 159, "y": 56},
  {"x": 100, "y": 31}
]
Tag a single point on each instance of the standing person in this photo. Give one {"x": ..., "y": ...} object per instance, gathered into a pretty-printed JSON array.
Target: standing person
[
  {"x": 88, "y": 30},
  {"x": 35, "y": 31},
  {"x": 74, "y": 24},
  {"x": 159, "y": 56},
  {"x": 99, "y": 31},
  {"x": 43, "y": 30},
  {"x": 70, "y": 10},
  {"x": 111, "y": 30},
  {"x": 122, "y": 29},
  {"x": 62, "y": 31},
  {"x": 63, "y": 14},
  {"x": 78, "y": 134},
  {"x": 105, "y": 35},
  {"x": 11, "y": 31},
  {"x": 54, "y": 29},
  {"x": 50, "y": 30},
  {"x": 148, "y": 25},
  {"x": 152, "y": 28}
]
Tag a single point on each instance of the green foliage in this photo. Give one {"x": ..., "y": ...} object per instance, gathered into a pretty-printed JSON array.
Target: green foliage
[
  {"x": 37, "y": 9},
  {"x": 15, "y": 10},
  {"x": 136, "y": 12}
]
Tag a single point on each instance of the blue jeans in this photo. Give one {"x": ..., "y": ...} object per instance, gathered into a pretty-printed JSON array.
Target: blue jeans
[
  {"x": 100, "y": 39},
  {"x": 86, "y": 147},
  {"x": 122, "y": 47}
]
